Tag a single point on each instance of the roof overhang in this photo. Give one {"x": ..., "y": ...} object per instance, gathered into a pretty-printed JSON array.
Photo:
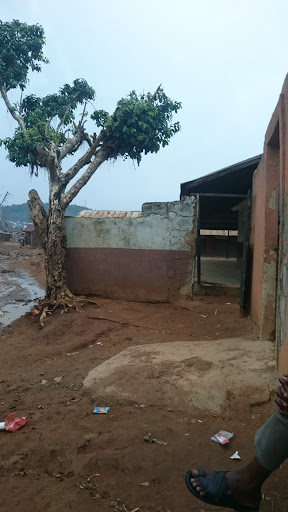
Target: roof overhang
[
  {"x": 235, "y": 179},
  {"x": 221, "y": 193}
]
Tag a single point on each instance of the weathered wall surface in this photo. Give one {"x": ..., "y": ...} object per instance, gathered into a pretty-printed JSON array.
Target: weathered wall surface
[
  {"x": 258, "y": 242},
  {"x": 282, "y": 282},
  {"x": 146, "y": 258},
  {"x": 269, "y": 299},
  {"x": 264, "y": 240}
]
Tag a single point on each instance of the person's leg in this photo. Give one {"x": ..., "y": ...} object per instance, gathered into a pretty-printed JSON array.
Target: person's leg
[
  {"x": 271, "y": 442},
  {"x": 244, "y": 484},
  {"x": 271, "y": 449}
]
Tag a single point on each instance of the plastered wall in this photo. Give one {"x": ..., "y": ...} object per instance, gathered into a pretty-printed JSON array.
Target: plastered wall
[
  {"x": 269, "y": 237},
  {"x": 149, "y": 258},
  {"x": 264, "y": 242}
]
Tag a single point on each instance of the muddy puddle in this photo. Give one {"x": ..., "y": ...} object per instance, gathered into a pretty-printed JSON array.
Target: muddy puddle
[{"x": 18, "y": 293}]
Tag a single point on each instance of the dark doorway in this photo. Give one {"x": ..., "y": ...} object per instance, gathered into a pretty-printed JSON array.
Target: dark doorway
[
  {"x": 223, "y": 245},
  {"x": 222, "y": 209}
]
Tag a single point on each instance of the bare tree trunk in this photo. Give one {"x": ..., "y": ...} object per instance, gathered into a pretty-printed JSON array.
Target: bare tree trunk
[
  {"x": 51, "y": 230},
  {"x": 56, "y": 284},
  {"x": 39, "y": 216}
]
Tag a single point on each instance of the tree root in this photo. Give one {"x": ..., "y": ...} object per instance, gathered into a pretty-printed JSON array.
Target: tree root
[{"x": 66, "y": 302}]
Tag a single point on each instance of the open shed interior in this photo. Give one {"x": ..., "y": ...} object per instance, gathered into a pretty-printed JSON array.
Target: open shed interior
[{"x": 223, "y": 227}]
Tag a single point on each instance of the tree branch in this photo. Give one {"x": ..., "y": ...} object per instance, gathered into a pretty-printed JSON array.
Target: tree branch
[
  {"x": 87, "y": 138},
  {"x": 49, "y": 121},
  {"x": 99, "y": 158},
  {"x": 21, "y": 104},
  {"x": 48, "y": 159},
  {"x": 84, "y": 160},
  {"x": 17, "y": 117},
  {"x": 63, "y": 118},
  {"x": 83, "y": 114},
  {"x": 70, "y": 145},
  {"x": 66, "y": 112}
]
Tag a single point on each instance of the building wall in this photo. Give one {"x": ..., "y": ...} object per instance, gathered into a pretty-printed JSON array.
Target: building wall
[
  {"x": 271, "y": 241},
  {"x": 281, "y": 116},
  {"x": 146, "y": 258},
  {"x": 265, "y": 239},
  {"x": 5, "y": 237},
  {"x": 258, "y": 242},
  {"x": 32, "y": 238},
  {"x": 269, "y": 237}
]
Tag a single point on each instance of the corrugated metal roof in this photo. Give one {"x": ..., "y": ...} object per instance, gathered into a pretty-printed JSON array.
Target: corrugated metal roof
[
  {"x": 103, "y": 214},
  {"x": 235, "y": 179}
]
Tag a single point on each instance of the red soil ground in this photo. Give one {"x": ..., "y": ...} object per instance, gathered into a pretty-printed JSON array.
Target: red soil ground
[{"x": 66, "y": 458}]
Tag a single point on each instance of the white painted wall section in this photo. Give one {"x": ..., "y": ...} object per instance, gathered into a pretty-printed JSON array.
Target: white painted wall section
[{"x": 162, "y": 226}]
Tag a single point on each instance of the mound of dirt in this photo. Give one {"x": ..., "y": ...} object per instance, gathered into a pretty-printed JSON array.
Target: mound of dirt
[{"x": 160, "y": 373}]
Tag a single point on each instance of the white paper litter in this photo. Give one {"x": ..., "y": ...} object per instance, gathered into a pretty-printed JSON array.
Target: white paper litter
[{"x": 235, "y": 456}]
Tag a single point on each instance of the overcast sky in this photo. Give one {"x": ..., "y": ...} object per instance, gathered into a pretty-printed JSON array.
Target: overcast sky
[{"x": 225, "y": 61}]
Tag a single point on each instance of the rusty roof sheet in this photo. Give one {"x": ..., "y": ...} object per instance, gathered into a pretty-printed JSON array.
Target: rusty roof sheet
[
  {"x": 103, "y": 214},
  {"x": 29, "y": 228}
]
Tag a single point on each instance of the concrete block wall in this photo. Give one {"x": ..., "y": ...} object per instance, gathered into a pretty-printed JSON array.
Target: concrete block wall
[{"x": 148, "y": 258}]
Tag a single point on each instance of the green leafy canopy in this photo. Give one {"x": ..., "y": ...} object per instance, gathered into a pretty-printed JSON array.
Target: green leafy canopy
[
  {"x": 38, "y": 114},
  {"x": 141, "y": 124},
  {"x": 20, "y": 50}
]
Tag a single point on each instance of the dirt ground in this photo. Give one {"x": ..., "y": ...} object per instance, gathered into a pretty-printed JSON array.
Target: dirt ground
[{"x": 68, "y": 459}]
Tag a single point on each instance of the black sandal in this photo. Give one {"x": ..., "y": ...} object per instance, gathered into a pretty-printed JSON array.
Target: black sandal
[{"x": 217, "y": 491}]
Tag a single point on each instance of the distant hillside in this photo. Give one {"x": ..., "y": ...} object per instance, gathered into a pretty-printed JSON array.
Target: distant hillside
[{"x": 19, "y": 213}]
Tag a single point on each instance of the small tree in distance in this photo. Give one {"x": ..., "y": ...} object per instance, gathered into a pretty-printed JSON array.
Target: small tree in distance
[{"x": 49, "y": 130}]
